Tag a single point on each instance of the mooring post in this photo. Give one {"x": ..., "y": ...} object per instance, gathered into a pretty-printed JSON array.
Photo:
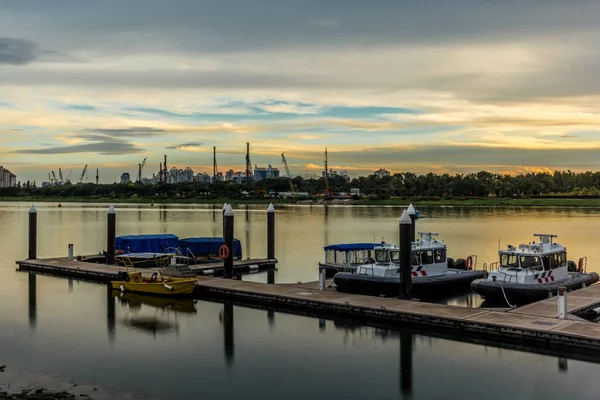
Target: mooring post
[
  {"x": 228, "y": 238},
  {"x": 224, "y": 209},
  {"x": 271, "y": 232},
  {"x": 405, "y": 256},
  {"x": 111, "y": 234},
  {"x": 32, "y": 233},
  {"x": 562, "y": 302},
  {"x": 412, "y": 213},
  {"x": 70, "y": 254},
  {"x": 322, "y": 278}
]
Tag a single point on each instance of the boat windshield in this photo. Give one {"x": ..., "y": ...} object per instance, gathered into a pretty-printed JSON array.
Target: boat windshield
[
  {"x": 509, "y": 260},
  {"x": 395, "y": 256},
  {"x": 530, "y": 262},
  {"x": 382, "y": 256}
]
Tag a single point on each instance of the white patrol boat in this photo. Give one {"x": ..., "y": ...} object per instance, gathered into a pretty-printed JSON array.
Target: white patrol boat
[
  {"x": 532, "y": 272},
  {"x": 431, "y": 273}
]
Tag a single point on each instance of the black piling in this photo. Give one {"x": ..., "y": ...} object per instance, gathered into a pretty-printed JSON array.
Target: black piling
[
  {"x": 224, "y": 209},
  {"x": 228, "y": 238},
  {"x": 271, "y": 232},
  {"x": 412, "y": 213},
  {"x": 32, "y": 233},
  {"x": 111, "y": 234},
  {"x": 405, "y": 256}
]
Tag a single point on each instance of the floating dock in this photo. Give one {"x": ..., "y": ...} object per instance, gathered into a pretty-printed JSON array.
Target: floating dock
[
  {"x": 105, "y": 273},
  {"x": 534, "y": 323}
]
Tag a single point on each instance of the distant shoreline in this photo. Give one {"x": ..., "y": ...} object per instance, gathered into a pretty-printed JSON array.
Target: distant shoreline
[{"x": 428, "y": 201}]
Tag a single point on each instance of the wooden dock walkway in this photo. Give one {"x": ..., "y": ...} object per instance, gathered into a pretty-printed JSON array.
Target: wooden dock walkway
[
  {"x": 103, "y": 272},
  {"x": 534, "y": 323}
]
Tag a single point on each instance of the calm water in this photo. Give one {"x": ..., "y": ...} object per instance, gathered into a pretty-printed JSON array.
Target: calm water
[{"x": 55, "y": 330}]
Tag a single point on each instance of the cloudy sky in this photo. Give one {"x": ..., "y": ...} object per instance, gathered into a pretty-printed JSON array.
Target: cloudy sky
[{"x": 445, "y": 86}]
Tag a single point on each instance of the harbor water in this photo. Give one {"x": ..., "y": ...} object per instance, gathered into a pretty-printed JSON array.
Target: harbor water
[{"x": 61, "y": 332}]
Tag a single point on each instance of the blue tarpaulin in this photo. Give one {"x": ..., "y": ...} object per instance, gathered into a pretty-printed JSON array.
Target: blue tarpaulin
[
  {"x": 351, "y": 246},
  {"x": 202, "y": 246},
  {"x": 147, "y": 243}
]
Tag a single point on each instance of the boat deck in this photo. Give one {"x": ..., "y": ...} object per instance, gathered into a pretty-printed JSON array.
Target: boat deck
[{"x": 534, "y": 323}]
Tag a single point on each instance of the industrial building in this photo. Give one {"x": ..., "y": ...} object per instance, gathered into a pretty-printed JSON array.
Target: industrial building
[
  {"x": 381, "y": 173},
  {"x": 7, "y": 178},
  {"x": 265, "y": 173},
  {"x": 125, "y": 177}
]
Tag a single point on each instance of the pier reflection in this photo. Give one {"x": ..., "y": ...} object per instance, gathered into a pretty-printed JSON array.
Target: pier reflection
[
  {"x": 32, "y": 280},
  {"x": 247, "y": 240},
  {"x": 406, "y": 364},
  {"x": 110, "y": 314},
  {"x": 70, "y": 283},
  {"x": 226, "y": 318}
]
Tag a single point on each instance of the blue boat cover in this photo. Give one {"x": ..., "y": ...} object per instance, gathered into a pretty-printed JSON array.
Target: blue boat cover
[
  {"x": 202, "y": 246},
  {"x": 146, "y": 243},
  {"x": 351, "y": 246}
]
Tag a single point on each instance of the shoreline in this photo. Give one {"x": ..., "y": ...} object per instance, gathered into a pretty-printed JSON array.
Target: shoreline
[{"x": 420, "y": 201}]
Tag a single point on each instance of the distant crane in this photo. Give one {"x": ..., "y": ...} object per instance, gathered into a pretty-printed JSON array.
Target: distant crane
[
  {"x": 69, "y": 176},
  {"x": 287, "y": 172},
  {"x": 54, "y": 180},
  {"x": 97, "y": 177},
  {"x": 50, "y": 178},
  {"x": 326, "y": 193},
  {"x": 248, "y": 163},
  {"x": 215, "y": 171},
  {"x": 60, "y": 176},
  {"x": 140, "y": 169},
  {"x": 83, "y": 173}
]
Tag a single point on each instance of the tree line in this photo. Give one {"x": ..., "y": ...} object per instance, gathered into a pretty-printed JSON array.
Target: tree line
[{"x": 403, "y": 184}]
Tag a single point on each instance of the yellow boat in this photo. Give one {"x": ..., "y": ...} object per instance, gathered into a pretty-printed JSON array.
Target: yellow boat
[{"x": 157, "y": 284}]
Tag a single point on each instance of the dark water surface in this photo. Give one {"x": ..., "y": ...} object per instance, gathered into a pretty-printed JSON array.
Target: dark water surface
[{"x": 131, "y": 346}]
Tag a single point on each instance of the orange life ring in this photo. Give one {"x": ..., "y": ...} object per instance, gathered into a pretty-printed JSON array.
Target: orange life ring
[
  {"x": 580, "y": 265},
  {"x": 223, "y": 252},
  {"x": 469, "y": 263}
]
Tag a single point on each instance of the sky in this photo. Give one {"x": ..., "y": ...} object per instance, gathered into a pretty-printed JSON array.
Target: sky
[{"x": 433, "y": 86}]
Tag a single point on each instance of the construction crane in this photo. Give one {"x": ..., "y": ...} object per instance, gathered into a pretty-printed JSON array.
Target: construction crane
[
  {"x": 248, "y": 163},
  {"x": 326, "y": 193},
  {"x": 60, "y": 175},
  {"x": 215, "y": 171},
  {"x": 69, "y": 176},
  {"x": 140, "y": 169},
  {"x": 97, "y": 177},
  {"x": 54, "y": 178},
  {"x": 83, "y": 173},
  {"x": 50, "y": 178},
  {"x": 287, "y": 172}
]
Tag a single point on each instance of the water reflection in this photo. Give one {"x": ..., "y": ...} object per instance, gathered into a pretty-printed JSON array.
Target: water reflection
[
  {"x": 135, "y": 301},
  {"x": 247, "y": 244},
  {"x": 110, "y": 314},
  {"x": 271, "y": 319},
  {"x": 406, "y": 364},
  {"x": 226, "y": 318},
  {"x": 150, "y": 324},
  {"x": 70, "y": 283},
  {"x": 32, "y": 279}
]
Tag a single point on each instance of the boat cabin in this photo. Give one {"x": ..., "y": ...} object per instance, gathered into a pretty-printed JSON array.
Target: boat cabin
[
  {"x": 535, "y": 262},
  {"x": 428, "y": 258}
]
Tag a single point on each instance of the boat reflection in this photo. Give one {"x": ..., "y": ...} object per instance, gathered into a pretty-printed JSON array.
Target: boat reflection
[
  {"x": 110, "y": 314},
  {"x": 150, "y": 324},
  {"x": 135, "y": 301}
]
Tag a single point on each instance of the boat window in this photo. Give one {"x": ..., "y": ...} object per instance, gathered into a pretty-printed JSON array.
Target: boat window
[
  {"x": 382, "y": 256},
  {"x": 562, "y": 259},
  {"x": 509, "y": 260},
  {"x": 440, "y": 255},
  {"x": 416, "y": 258},
  {"x": 395, "y": 256},
  {"x": 558, "y": 260},
  {"x": 427, "y": 257},
  {"x": 530, "y": 262}
]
